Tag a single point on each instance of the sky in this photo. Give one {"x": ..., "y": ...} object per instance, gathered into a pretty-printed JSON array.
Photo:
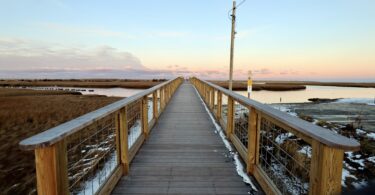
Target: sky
[{"x": 330, "y": 40}]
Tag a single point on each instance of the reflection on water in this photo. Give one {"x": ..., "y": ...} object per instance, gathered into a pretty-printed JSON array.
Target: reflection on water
[{"x": 311, "y": 92}]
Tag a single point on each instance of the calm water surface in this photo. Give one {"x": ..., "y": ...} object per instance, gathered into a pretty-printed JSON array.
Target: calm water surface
[{"x": 365, "y": 95}]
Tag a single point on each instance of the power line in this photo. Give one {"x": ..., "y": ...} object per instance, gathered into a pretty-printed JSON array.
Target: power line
[{"x": 231, "y": 10}]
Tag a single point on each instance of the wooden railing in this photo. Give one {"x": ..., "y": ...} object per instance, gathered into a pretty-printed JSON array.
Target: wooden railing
[
  {"x": 88, "y": 155},
  {"x": 285, "y": 154}
]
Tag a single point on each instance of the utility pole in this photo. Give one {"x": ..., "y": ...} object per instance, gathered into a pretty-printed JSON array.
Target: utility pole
[{"x": 233, "y": 34}]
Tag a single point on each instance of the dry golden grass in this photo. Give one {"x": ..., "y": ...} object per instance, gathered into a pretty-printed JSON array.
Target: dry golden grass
[
  {"x": 22, "y": 116},
  {"x": 95, "y": 83},
  {"x": 6, "y": 92}
]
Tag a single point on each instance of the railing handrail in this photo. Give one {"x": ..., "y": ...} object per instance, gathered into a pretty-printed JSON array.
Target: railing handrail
[
  {"x": 58, "y": 133},
  {"x": 318, "y": 133}
]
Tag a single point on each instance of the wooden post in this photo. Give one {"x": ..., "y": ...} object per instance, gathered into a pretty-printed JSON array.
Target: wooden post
[
  {"x": 252, "y": 140},
  {"x": 144, "y": 110},
  {"x": 122, "y": 133},
  {"x": 161, "y": 91},
  {"x": 326, "y": 169},
  {"x": 230, "y": 116},
  {"x": 212, "y": 99},
  {"x": 51, "y": 169},
  {"x": 155, "y": 104},
  {"x": 219, "y": 105}
]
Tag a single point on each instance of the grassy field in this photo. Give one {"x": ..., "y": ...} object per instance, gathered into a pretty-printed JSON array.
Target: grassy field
[
  {"x": 24, "y": 113},
  {"x": 88, "y": 83}
]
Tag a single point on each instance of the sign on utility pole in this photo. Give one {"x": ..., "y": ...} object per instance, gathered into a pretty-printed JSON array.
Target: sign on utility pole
[
  {"x": 232, "y": 45},
  {"x": 249, "y": 84}
]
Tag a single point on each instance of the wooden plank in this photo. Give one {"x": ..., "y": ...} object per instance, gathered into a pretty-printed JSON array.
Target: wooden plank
[
  {"x": 151, "y": 124},
  {"x": 239, "y": 147},
  {"x": 51, "y": 169},
  {"x": 219, "y": 105},
  {"x": 144, "y": 116},
  {"x": 136, "y": 146},
  {"x": 252, "y": 145},
  {"x": 212, "y": 101},
  {"x": 124, "y": 145},
  {"x": 266, "y": 183},
  {"x": 326, "y": 169},
  {"x": 155, "y": 104},
  {"x": 230, "y": 117}
]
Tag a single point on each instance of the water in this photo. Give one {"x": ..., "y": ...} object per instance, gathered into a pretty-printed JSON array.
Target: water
[
  {"x": 357, "y": 94},
  {"x": 116, "y": 92},
  {"x": 364, "y": 94}
]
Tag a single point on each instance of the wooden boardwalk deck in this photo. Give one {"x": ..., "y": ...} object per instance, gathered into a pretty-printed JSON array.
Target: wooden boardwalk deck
[{"x": 183, "y": 155}]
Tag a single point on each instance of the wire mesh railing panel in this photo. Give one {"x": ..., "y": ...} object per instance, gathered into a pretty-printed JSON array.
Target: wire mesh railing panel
[
  {"x": 224, "y": 108},
  {"x": 284, "y": 158},
  {"x": 92, "y": 157},
  {"x": 150, "y": 108},
  {"x": 241, "y": 116},
  {"x": 133, "y": 116}
]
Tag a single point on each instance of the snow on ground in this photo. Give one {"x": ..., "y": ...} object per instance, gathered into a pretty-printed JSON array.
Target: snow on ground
[
  {"x": 134, "y": 132},
  {"x": 282, "y": 137},
  {"x": 360, "y": 184},
  {"x": 239, "y": 166},
  {"x": 371, "y": 159},
  {"x": 92, "y": 185},
  {"x": 306, "y": 150},
  {"x": 368, "y": 101},
  {"x": 346, "y": 174},
  {"x": 284, "y": 108},
  {"x": 371, "y": 135}
]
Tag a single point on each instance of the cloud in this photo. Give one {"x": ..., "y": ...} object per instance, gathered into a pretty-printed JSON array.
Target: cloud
[{"x": 18, "y": 54}]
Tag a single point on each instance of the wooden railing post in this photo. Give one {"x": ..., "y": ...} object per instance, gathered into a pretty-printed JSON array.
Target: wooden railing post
[
  {"x": 212, "y": 102},
  {"x": 162, "y": 98},
  {"x": 122, "y": 135},
  {"x": 144, "y": 115},
  {"x": 230, "y": 116},
  {"x": 51, "y": 169},
  {"x": 326, "y": 169},
  {"x": 252, "y": 144},
  {"x": 219, "y": 105},
  {"x": 155, "y": 104}
]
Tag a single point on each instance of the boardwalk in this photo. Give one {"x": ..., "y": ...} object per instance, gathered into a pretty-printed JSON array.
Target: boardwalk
[{"x": 183, "y": 155}]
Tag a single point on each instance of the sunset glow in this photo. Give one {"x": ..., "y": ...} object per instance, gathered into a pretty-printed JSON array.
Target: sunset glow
[{"x": 279, "y": 40}]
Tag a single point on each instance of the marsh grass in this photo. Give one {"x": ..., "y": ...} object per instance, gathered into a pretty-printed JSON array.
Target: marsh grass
[
  {"x": 89, "y": 83},
  {"x": 24, "y": 113}
]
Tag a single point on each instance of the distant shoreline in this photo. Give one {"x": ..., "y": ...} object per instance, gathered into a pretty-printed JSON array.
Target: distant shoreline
[
  {"x": 289, "y": 85},
  {"x": 239, "y": 85}
]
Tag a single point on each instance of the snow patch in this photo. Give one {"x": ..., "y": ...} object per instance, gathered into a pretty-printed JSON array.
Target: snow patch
[
  {"x": 305, "y": 150},
  {"x": 92, "y": 185},
  {"x": 346, "y": 174},
  {"x": 368, "y": 101},
  {"x": 134, "y": 132},
  {"x": 371, "y": 135}
]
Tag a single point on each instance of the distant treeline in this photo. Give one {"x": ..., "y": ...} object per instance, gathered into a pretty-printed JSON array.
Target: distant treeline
[{"x": 83, "y": 83}]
